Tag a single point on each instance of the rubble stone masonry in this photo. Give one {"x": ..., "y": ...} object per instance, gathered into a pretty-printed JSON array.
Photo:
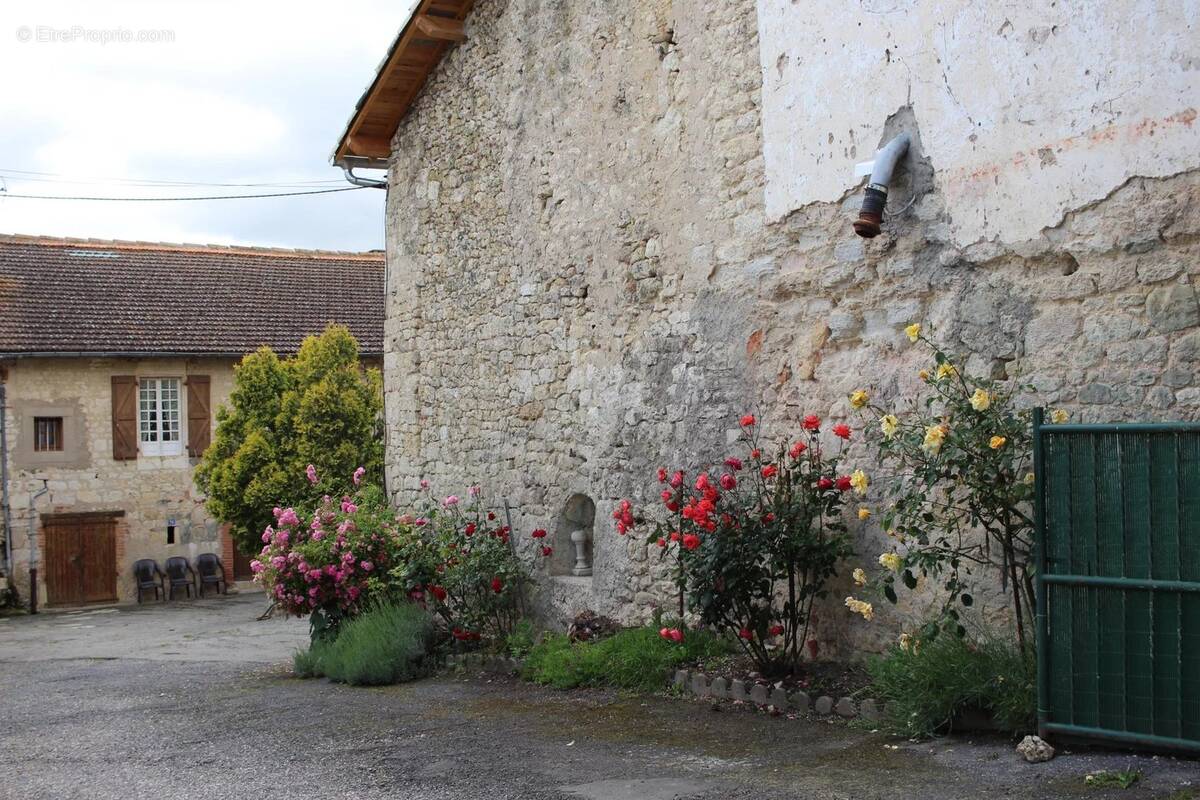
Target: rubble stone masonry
[{"x": 584, "y": 285}]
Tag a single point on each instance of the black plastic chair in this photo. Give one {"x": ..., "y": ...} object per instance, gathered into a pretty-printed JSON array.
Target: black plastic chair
[
  {"x": 211, "y": 572},
  {"x": 179, "y": 573},
  {"x": 149, "y": 575}
]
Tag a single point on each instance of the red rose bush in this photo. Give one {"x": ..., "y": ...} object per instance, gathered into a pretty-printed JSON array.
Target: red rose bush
[{"x": 755, "y": 539}]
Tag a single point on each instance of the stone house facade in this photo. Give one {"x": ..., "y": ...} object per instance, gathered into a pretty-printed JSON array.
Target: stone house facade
[
  {"x": 114, "y": 357},
  {"x": 610, "y": 233}
]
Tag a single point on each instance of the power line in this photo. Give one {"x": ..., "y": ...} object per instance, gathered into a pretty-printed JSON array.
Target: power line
[
  {"x": 58, "y": 177},
  {"x": 4, "y": 194}
]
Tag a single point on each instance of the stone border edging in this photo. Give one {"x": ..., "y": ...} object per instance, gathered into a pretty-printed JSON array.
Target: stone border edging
[{"x": 697, "y": 683}]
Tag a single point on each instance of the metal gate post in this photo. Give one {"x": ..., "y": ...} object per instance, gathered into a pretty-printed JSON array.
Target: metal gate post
[{"x": 1039, "y": 533}]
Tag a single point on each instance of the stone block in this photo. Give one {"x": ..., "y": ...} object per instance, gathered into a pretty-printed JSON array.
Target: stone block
[
  {"x": 778, "y": 698},
  {"x": 699, "y": 684},
  {"x": 800, "y": 702},
  {"x": 824, "y": 705},
  {"x": 681, "y": 678},
  {"x": 1173, "y": 308},
  {"x": 719, "y": 689},
  {"x": 758, "y": 694},
  {"x": 870, "y": 710},
  {"x": 845, "y": 708},
  {"x": 737, "y": 691}
]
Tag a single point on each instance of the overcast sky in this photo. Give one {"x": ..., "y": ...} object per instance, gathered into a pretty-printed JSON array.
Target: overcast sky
[{"x": 224, "y": 91}]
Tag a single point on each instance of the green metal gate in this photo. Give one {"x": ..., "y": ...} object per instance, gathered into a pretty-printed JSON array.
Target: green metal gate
[{"x": 1118, "y": 581}]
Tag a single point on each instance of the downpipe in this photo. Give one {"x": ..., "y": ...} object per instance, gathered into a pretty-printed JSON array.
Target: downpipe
[
  {"x": 33, "y": 590},
  {"x": 870, "y": 216}
]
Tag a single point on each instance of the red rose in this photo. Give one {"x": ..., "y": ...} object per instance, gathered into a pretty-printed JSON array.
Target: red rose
[
  {"x": 492, "y": 515},
  {"x": 662, "y": 542},
  {"x": 675, "y": 635},
  {"x": 746, "y": 633},
  {"x": 748, "y": 421},
  {"x": 842, "y": 431},
  {"x": 728, "y": 482},
  {"x": 438, "y": 592},
  {"x": 769, "y": 471},
  {"x": 470, "y": 529},
  {"x": 497, "y": 585},
  {"x": 843, "y": 483},
  {"x": 677, "y": 480},
  {"x": 702, "y": 482},
  {"x": 538, "y": 534},
  {"x": 797, "y": 449},
  {"x": 755, "y": 453},
  {"x": 768, "y": 517},
  {"x": 675, "y": 536},
  {"x": 662, "y": 475},
  {"x": 547, "y": 551},
  {"x": 824, "y": 483},
  {"x": 775, "y": 630},
  {"x": 667, "y": 495},
  {"x": 665, "y": 633},
  {"x": 691, "y": 541},
  {"x": 672, "y": 506},
  {"x": 733, "y": 463},
  {"x": 812, "y": 422}
]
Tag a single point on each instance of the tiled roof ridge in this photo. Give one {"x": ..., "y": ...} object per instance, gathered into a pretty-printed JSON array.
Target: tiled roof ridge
[{"x": 171, "y": 247}]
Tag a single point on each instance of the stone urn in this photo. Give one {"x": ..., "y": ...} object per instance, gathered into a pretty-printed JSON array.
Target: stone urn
[{"x": 583, "y": 566}]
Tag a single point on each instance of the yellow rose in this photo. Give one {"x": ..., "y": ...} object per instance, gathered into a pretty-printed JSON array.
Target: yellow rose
[
  {"x": 860, "y": 482},
  {"x": 913, "y": 331},
  {"x": 946, "y": 370},
  {"x": 860, "y": 607},
  {"x": 889, "y": 424},
  {"x": 1058, "y": 416},
  {"x": 997, "y": 442},
  {"x": 860, "y": 577},
  {"x": 864, "y": 513},
  {"x": 905, "y": 642},
  {"x": 859, "y": 398},
  {"x": 1028, "y": 478},
  {"x": 981, "y": 400},
  {"x": 934, "y": 436},
  {"x": 891, "y": 561},
  {"x": 923, "y": 374}
]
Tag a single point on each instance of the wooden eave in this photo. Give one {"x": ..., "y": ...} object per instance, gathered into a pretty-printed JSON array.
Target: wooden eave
[{"x": 433, "y": 27}]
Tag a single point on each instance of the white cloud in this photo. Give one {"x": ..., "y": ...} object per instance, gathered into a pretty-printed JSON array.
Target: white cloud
[{"x": 232, "y": 91}]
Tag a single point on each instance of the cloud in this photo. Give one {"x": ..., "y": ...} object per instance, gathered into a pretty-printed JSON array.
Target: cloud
[{"x": 221, "y": 92}]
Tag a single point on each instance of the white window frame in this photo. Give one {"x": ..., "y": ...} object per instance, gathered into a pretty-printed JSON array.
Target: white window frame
[{"x": 155, "y": 416}]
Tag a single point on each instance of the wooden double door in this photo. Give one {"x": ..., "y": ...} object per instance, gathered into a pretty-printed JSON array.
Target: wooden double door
[{"x": 80, "y": 558}]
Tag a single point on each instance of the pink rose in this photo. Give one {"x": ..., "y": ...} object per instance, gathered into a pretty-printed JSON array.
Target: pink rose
[
  {"x": 311, "y": 472},
  {"x": 358, "y": 475}
]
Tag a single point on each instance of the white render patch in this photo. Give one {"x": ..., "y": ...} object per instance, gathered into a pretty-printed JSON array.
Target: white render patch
[{"x": 1026, "y": 110}]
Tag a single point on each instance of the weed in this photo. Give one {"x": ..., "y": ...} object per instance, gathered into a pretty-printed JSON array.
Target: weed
[
  {"x": 634, "y": 658},
  {"x": 924, "y": 687},
  {"x": 1107, "y": 778}
]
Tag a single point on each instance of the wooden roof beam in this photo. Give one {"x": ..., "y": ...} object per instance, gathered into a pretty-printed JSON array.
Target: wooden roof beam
[
  {"x": 441, "y": 29},
  {"x": 369, "y": 146}
]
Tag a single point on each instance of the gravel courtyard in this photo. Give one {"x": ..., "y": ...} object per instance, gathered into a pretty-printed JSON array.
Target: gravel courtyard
[{"x": 195, "y": 699}]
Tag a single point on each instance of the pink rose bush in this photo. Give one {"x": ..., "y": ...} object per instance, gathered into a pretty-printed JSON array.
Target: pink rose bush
[
  {"x": 327, "y": 563},
  {"x": 453, "y": 556},
  {"x": 755, "y": 538}
]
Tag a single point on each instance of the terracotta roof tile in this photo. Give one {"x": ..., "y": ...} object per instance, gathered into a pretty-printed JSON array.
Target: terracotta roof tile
[{"x": 96, "y": 296}]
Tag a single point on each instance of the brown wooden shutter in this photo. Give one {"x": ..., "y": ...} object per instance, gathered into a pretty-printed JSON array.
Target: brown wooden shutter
[
  {"x": 199, "y": 415},
  {"x": 124, "y": 417}
]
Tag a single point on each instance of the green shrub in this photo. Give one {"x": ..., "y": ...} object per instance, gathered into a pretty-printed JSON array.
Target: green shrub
[
  {"x": 635, "y": 658},
  {"x": 923, "y": 686},
  {"x": 386, "y": 644},
  {"x": 521, "y": 640}
]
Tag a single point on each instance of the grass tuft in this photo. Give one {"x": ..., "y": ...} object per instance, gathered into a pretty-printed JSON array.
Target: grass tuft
[
  {"x": 383, "y": 645},
  {"x": 923, "y": 691},
  {"x": 634, "y": 658}
]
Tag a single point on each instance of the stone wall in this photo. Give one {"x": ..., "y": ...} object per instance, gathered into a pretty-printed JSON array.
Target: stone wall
[
  {"x": 584, "y": 283},
  {"x": 149, "y": 490}
]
